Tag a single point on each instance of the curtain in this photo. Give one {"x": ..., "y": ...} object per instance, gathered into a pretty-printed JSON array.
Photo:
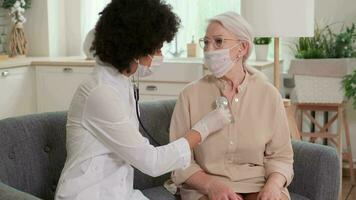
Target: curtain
[
  {"x": 90, "y": 10},
  {"x": 194, "y": 15}
]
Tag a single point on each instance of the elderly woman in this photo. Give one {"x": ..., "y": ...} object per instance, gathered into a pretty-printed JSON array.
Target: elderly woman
[{"x": 252, "y": 157}]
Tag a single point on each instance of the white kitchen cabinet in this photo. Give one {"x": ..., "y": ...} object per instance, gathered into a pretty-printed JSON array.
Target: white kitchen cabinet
[
  {"x": 17, "y": 91},
  {"x": 56, "y": 86},
  {"x": 160, "y": 90},
  {"x": 170, "y": 79}
]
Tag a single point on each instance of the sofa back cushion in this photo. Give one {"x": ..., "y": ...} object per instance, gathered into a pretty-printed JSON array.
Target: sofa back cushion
[
  {"x": 33, "y": 148},
  {"x": 32, "y": 152},
  {"x": 156, "y": 117}
]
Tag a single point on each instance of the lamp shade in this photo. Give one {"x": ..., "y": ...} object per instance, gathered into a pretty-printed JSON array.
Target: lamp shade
[{"x": 279, "y": 18}]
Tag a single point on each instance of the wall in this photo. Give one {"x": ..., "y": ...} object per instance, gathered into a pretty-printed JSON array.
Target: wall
[
  {"x": 73, "y": 27},
  {"x": 57, "y": 28},
  {"x": 53, "y": 28},
  {"x": 36, "y": 28},
  {"x": 4, "y": 29}
]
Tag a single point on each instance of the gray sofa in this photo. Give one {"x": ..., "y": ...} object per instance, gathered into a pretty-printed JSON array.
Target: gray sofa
[{"x": 32, "y": 154}]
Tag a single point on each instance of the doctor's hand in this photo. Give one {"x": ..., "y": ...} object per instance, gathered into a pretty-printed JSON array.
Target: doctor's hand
[
  {"x": 219, "y": 191},
  {"x": 212, "y": 122}
]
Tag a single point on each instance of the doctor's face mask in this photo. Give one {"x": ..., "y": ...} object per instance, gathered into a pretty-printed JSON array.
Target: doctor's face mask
[{"x": 144, "y": 70}]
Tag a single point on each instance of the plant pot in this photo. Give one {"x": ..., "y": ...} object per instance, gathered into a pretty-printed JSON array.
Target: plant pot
[
  {"x": 319, "y": 80},
  {"x": 261, "y": 52}
]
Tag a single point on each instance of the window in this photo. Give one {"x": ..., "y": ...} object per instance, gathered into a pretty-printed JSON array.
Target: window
[
  {"x": 194, "y": 15},
  {"x": 90, "y": 10}
]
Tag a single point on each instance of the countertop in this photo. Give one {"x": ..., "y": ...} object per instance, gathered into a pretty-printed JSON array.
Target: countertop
[
  {"x": 71, "y": 61},
  {"x": 82, "y": 62},
  {"x": 45, "y": 61}
]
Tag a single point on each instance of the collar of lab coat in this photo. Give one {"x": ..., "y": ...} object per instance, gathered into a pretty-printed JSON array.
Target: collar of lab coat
[{"x": 111, "y": 74}]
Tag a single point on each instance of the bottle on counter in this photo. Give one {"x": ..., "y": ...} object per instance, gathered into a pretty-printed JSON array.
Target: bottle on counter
[{"x": 192, "y": 48}]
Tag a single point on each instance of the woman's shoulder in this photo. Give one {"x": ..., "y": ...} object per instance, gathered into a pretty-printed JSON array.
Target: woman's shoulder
[
  {"x": 263, "y": 87},
  {"x": 198, "y": 85}
]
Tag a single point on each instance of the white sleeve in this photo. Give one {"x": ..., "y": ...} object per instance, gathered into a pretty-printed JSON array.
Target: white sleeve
[{"x": 107, "y": 118}]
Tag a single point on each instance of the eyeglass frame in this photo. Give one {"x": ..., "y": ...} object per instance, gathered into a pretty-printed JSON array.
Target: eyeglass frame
[{"x": 202, "y": 41}]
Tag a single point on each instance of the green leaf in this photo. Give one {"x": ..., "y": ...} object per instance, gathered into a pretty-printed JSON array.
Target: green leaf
[
  {"x": 327, "y": 44},
  {"x": 8, "y": 4},
  {"x": 349, "y": 86},
  {"x": 262, "y": 40}
]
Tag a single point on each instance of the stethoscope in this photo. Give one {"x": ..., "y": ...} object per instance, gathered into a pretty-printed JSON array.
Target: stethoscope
[
  {"x": 136, "y": 88},
  {"x": 221, "y": 102}
]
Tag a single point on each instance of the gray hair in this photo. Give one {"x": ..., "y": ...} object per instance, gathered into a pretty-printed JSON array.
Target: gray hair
[{"x": 238, "y": 26}]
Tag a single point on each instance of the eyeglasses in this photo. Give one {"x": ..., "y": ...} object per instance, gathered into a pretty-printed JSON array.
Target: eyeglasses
[{"x": 218, "y": 42}]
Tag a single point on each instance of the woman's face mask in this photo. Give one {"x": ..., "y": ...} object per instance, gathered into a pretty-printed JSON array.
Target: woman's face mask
[
  {"x": 144, "y": 71},
  {"x": 219, "y": 61}
]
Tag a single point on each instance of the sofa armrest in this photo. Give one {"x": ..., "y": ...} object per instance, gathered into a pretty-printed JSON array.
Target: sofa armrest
[
  {"x": 316, "y": 171},
  {"x": 10, "y": 193}
]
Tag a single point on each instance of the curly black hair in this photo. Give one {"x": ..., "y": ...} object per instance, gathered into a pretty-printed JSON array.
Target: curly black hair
[{"x": 129, "y": 29}]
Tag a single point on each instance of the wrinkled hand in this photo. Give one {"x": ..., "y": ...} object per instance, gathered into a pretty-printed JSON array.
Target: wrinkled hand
[
  {"x": 270, "y": 192},
  {"x": 219, "y": 191},
  {"x": 212, "y": 122}
]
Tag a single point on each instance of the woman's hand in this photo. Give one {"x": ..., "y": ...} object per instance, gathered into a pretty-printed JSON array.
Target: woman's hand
[
  {"x": 219, "y": 191},
  {"x": 273, "y": 188},
  {"x": 270, "y": 192}
]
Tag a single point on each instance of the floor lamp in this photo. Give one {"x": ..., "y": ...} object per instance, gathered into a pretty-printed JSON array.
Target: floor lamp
[{"x": 279, "y": 18}]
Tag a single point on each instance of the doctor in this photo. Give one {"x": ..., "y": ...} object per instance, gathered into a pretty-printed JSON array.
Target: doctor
[{"x": 103, "y": 138}]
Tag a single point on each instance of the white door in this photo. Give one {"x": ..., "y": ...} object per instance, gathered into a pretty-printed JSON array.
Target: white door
[
  {"x": 17, "y": 92},
  {"x": 57, "y": 85}
]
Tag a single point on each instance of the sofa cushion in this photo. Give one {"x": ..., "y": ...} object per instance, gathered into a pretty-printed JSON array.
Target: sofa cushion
[
  {"x": 10, "y": 193},
  {"x": 295, "y": 196},
  {"x": 316, "y": 171},
  {"x": 156, "y": 117},
  {"x": 158, "y": 193},
  {"x": 33, "y": 152}
]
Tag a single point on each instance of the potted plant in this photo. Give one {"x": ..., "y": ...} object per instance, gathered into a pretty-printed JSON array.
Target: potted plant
[
  {"x": 17, "y": 41},
  {"x": 321, "y": 63},
  {"x": 261, "y": 47},
  {"x": 349, "y": 85}
]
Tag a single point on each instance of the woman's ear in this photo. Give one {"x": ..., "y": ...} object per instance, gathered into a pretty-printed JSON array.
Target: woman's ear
[{"x": 244, "y": 48}]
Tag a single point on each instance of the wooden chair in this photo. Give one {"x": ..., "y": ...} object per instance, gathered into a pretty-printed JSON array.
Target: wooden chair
[{"x": 293, "y": 127}]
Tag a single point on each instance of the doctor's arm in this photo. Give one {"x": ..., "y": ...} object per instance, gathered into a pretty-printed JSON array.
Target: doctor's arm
[{"x": 106, "y": 117}]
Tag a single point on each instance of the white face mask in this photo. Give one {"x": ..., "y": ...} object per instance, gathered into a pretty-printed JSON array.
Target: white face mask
[
  {"x": 219, "y": 61},
  {"x": 144, "y": 71}
]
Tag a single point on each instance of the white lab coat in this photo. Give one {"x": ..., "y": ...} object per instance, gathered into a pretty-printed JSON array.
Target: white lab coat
[{"x": 103, "y": 141}]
